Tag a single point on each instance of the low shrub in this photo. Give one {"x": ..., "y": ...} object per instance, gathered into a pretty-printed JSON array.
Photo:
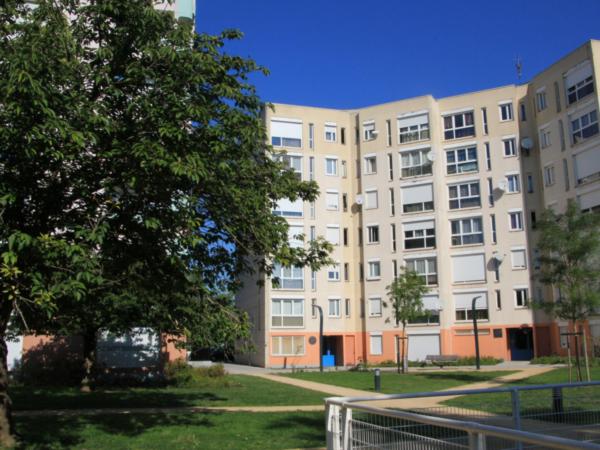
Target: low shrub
[
  {"x": 180, "y": 374},
  {"x": 556, "y": 359}
]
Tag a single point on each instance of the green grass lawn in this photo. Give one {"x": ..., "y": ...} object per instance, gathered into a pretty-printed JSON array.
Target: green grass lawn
[
  {"x": 215, "y": 431},
  {"x": 243, "y": 390},
  {"x": 500, "y": 403},
  {"x": 394, "y": 383}
]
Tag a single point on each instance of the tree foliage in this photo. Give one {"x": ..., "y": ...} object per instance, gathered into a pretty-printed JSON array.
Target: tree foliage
[
  {"x": 570, "y": 262},
  {"x": 135, "y": 179},
  {"x": 405, "y": 294}
]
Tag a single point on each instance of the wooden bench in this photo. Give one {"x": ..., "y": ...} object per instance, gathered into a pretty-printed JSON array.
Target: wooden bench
[{"x": 441, "y": 360}]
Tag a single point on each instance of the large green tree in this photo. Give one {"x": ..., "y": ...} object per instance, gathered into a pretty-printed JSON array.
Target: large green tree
[
  {"x": 135, "y": 179},
  {"x": 569, "y": 244},
  {"x": 406, "y": 298}
]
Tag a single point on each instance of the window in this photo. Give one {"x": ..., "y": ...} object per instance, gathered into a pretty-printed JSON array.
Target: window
[
  {"x": 392, "y": 202},
  {"x": 287, "y": 312},
  {"x": 413, "y": 128},
  {"x": 461, "y": 160},
  {"x": 498, "y": 300},
  {"x": 347, "y": 307},
  {"x": 334, "y": 307},
  {"x": 431, "y": 309},
  {"x": 361, "y": 272},
  {"x": 509, "y": 147},
  {"x": 344, "y": 169},
  {"x": 464, "y": 195},
  {"x": 490, "y": 184},
  {"x": 584, "y": 126},
  {"x": 376, "y": 341},
  {"x": 345, "y": 202},
  {"x": 521, "y": 300},
  {"x": 311, "y": 136},
  {"x": 313, "y": 280},
  {"x": 587, "y": 165},
  {"x": 375, "y": 308},
  {"x": 518, "y": 258},
  {"x": 296, "y": 236},
  {"x": 523, "y": 112},
  {"x": 545, "y": 138},
  {"x": 459, "y": 125},
  {"x": 419, "y": 235},
  {"x": 566, "y": 174},
  {"x": 513, "y": 184},
  {"x": 579, "y": 82},
  {"x": 330, "y": 132},
  {"x": 467, "y": 231},
  {"x": 287, "y": 345},
  {"x": 388, "y": 132},
  {"x": 332, "y": 200},
  {"x": 331, "y": 166},
  {"x": 417, "y": 198},
  {"x": 506, "y": 112},
  {"x": 287, "y": 208},
  {"x": 313, "y": 233},
  {"x": 332, "y": 234},
  {"x": 463, "y": 304},
  {"x": 288, "y": 277},
  {"x": 312, "y": 210},
  {"x": 549, "y": 175},
  {"x": 468, "y": 268},
  {"x": 484, "y": 120},
  {"x": 286, "y": 133},
  {"x": 360, "y": 240},
  {"x": 493, "y": 225},
  {"x": 345, "y": 237},
  {"x": 533, "y": 220},
  {"x": 393, "y": 236},
  {"x": 370, "y": 164},
  {"x": 425, "y": 268},
  {"x": 540, "y": 100},
  {"x": 333, "y": 272},
  {"x": 311, "y": 168},
  {"x": 395, "y": 268},
  {"x": 291, "y": 162},
  {"x": 515, "y": 220},
  {"x": 557, "y": 96},
  {"x": 372, "y": 234},
  {"x": 369, "y": 131},
  {"x": 390, "y": 167},
  {"x": 374, "y": 269},
  {"x": 561, "y": 133},
  {"x": 415, "y": 163},
  {"x": 313, "y": 310},
  {"x": 343, "y": 136},
  {"x": 488, "y": 157},
  {"x": 371, "y": 199},
  {"x": 346, "y": 272},
  {"x": 530, "y": 186}
]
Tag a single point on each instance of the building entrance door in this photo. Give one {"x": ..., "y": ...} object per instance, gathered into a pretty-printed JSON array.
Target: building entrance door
[
  {"x": 521, "y": 343},
  {"x": 334, "y": 346}
]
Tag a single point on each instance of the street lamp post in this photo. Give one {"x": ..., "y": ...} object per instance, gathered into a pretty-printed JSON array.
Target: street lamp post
[
  {"x": 321, "y": 342},
  {"x": 475, "y": 332}
]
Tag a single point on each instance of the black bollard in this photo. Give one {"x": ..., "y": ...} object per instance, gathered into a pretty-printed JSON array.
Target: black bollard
[{"x": 377, "y": 380}]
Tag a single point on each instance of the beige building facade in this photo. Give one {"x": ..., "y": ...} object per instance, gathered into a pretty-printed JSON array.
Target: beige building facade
[{"x": 450, "y": 188}]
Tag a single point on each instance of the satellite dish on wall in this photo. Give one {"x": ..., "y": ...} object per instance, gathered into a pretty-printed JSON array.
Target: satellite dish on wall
[
  {"x": 498, "y": 257},
  {"x": 375, "y": 132},
  {"x": 359, "y": 199},
  {"x": 502, "y": 185},
  {"x": 527, "y": 143},
  {"x": 431, "y": 155}
]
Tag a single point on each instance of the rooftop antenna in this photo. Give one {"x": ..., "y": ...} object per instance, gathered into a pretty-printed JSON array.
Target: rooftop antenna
[{"x": 519, "y": 67}]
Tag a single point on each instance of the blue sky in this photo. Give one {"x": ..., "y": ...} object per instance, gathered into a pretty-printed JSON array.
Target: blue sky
[{"x": 350, "y": 53}]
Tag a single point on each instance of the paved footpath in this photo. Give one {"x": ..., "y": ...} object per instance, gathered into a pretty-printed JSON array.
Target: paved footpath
[{"x": 330, "y": 390}]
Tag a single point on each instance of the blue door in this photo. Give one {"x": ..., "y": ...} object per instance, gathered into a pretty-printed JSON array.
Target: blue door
[{"x": 521, "y": 344}]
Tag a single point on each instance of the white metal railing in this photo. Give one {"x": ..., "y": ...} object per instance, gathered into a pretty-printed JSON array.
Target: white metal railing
[{"x": 351, "y": 424}]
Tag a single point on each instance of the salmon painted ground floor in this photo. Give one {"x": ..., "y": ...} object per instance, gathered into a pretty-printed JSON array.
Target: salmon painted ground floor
[{"x": 518, "y": 342}]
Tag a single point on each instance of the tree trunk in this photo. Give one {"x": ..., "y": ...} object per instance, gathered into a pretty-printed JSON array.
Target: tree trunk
[
  {"x": 7, "y": 437},
  {"x": 89, "y": 359},
  {"x": 577, "y": 358}
]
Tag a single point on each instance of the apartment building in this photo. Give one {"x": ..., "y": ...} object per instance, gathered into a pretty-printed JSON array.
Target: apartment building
[{"x": 447, "y": 187}]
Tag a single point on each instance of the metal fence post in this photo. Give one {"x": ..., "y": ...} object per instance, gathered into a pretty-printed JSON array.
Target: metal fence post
[
  {"x": 557, "y": 402},
  {"x": 346, "y": 428},
  {"x": 476, "y": 441},
  {"x": 516, "y": 412}
]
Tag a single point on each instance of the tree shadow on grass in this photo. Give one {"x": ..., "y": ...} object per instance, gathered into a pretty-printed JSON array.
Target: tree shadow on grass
[
  {"x": 25, "y": 398},
  {"x": 54, "y": 432}
]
